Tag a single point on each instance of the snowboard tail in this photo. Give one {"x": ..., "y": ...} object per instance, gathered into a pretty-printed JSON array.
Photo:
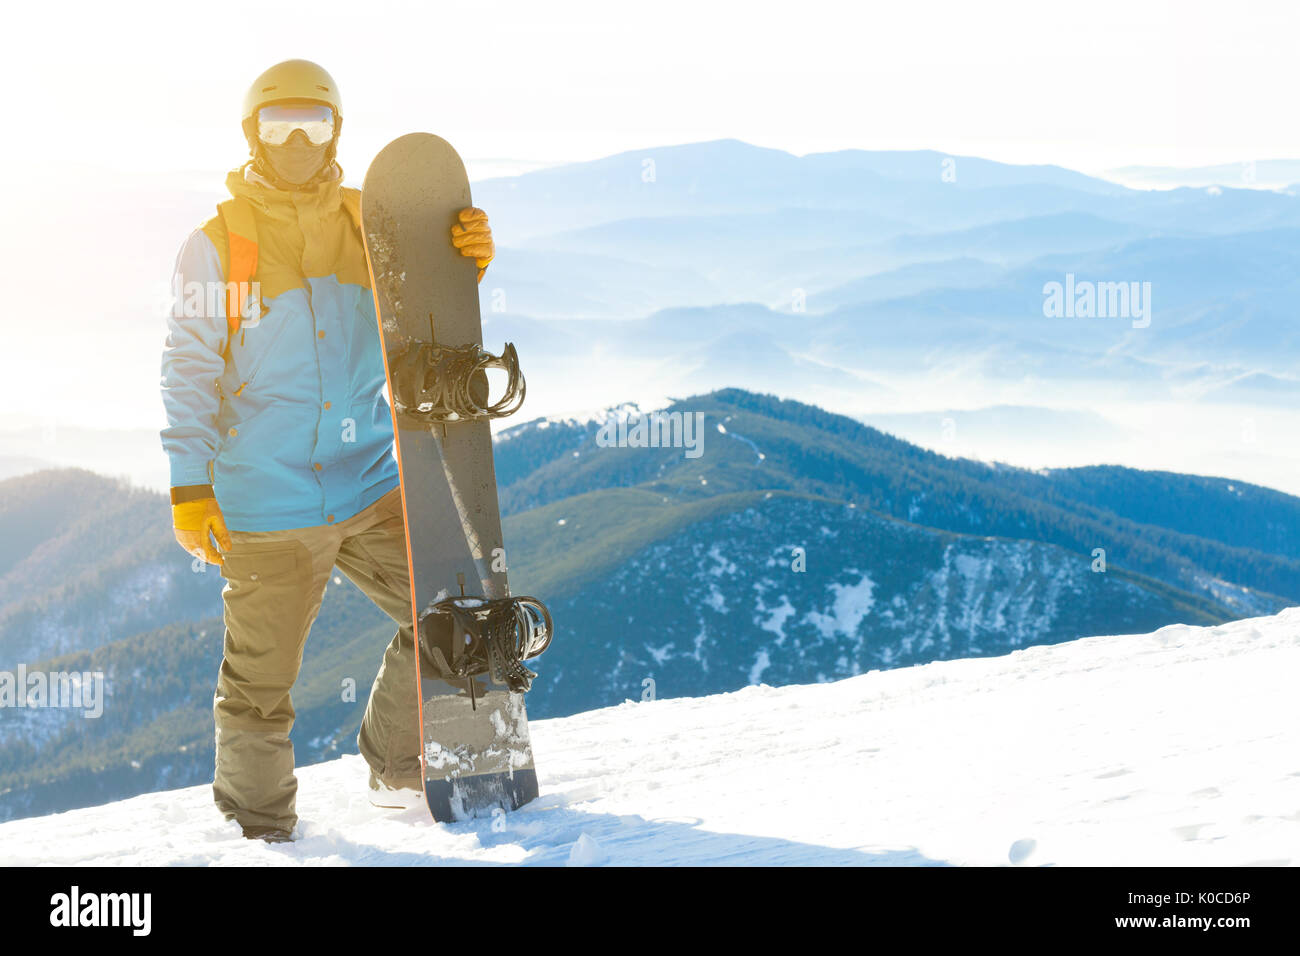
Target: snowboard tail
[
  {"x": 489, "y": 766},
  {"x": 466, "y": 797}
]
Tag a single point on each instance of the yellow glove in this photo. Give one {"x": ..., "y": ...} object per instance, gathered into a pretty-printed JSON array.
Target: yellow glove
[
  {"x": 473, "y": 237},
  {"x": 195, "y": 523}
]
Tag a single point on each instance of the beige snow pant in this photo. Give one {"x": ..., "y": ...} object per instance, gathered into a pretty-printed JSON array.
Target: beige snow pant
[{"x": 275, "y": 581}]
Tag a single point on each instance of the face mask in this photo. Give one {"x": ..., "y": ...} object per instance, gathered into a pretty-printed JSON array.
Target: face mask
[{"x": 296, "y": 162}]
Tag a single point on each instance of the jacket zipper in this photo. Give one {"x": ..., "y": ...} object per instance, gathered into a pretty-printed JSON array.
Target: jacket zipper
[{"x": 266, "y": 352}]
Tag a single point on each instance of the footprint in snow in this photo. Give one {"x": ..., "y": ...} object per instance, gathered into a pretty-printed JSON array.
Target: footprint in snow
[
  {"x": 1021, "y": 850},
  {"x": 1112, "y": 773}
]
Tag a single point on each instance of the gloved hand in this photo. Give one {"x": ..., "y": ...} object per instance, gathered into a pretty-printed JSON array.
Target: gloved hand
[
  {"x": 473, "y": 237},
  {"x": 195, "y": 523}
]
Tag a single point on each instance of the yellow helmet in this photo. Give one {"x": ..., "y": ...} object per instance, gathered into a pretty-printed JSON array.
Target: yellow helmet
[{"x": 293, "y": 80}]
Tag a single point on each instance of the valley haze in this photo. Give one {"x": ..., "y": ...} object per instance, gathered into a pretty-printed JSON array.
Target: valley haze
[{"x": 903, "y": 288}]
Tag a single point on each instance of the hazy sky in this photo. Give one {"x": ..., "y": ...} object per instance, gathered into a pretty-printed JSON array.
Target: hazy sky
[
  {"x": 1086, "y": 84},
  {"x": 121, "y": 117}
]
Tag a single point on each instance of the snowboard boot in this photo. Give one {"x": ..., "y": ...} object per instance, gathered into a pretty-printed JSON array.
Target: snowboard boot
[
  {"x": 268, "y": 834},
  {"x": 393, "y": 798}
]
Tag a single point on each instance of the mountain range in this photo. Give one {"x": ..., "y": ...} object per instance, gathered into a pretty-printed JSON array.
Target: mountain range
[
  {"x": 798, "y": 546},
  {"x": 870, "y": 283}
]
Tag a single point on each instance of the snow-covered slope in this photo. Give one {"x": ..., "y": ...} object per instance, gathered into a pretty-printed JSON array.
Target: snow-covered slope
[{"x": 1177, "y": 747}]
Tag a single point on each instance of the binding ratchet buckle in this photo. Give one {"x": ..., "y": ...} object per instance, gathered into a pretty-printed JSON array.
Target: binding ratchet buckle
[
  {"x": 489, "y": 637},
  {"x": 436, "y": 384}
]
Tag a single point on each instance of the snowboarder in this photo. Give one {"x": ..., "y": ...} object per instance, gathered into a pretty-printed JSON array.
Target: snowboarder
[{"x": 280, "y": 443}]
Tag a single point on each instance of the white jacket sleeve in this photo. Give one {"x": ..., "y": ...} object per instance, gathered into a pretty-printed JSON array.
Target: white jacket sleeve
[{"x": 193, "y": 360}]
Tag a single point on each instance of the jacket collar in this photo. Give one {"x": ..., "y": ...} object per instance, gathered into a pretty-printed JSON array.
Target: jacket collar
[{"x": 247, "y": 183}]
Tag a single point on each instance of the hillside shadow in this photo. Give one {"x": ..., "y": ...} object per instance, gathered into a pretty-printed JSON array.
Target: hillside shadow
[{"x": 547, "y": 836}]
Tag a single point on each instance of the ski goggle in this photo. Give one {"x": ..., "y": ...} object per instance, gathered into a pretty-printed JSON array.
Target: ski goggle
[{"x": 275, "y": 124}]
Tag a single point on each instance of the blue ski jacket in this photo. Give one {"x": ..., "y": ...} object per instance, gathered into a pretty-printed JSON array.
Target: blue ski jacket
[{"x": 286, "y": 418}]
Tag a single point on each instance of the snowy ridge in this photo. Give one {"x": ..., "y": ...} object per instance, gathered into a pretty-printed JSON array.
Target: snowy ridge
[
  {"x": 1177, "y": 747},
  {"x": 730, "y": 608},
  {"x": 621, "y": 412}
]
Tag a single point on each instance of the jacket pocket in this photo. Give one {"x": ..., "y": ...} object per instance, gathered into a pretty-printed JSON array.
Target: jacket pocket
[{"x": 232, "y": 449}]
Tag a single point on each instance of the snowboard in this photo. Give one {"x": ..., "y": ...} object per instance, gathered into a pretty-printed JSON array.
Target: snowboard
[{"x": 476, "y": 755}]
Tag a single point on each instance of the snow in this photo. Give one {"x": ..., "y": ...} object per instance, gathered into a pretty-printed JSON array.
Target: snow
[
  {"x": 623, "y": 411},
  {"x": 852, "y": 603},
  {"x": 722, "y": 430},
  {"x": 660, "y": 654},
  {"x": 776, "y": 618},
  {"x": 1180, "y": 747},
  {"x": 587, "y": 852}
]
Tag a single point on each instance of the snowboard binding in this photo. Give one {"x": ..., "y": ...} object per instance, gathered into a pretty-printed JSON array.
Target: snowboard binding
[
  {"x": 436, "y": 384},
  {"x": 491, "y": 638}
]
